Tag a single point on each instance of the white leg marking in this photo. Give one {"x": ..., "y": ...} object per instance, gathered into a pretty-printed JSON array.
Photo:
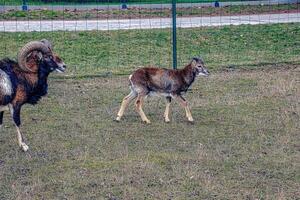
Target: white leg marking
[
  {"x": 166, "y": 114},
  {"x": 21, "y": 144},
  {"x": 184, "y": 104},
  {"x": 20, "y": 140},
  {"x": 125, "y": 103},
  {"x": 139, "y": 103},
  {"x": 189, "y": 114}
]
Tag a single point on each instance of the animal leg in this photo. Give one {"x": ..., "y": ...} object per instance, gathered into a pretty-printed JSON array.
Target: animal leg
[
  {"x": 167, "y": 111},
  {"x": 15, "y": 112},
  {"x": 1, "y": 118},
  {"x": 184, "y": 104},
  {"x": 138, "y": 104},
  {"x": 125, "y": 103}
]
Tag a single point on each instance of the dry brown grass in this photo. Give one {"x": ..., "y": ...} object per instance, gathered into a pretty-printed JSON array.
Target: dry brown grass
[{"x": 243, "y": 145}]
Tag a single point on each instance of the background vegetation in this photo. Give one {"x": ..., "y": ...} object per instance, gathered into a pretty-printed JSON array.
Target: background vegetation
[
  {"x": 120, "y": 52},
  {"x": 58, "y": 2},
  {"x": 133, "y": 13}
]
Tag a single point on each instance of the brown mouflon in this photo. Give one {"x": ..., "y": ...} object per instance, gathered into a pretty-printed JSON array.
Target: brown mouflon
[
  {"x": 25, "y": 81},
  {"x": 169, "y": 83}
]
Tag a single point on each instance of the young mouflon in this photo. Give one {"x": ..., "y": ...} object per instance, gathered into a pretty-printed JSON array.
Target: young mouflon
[{"x": 169, "y": 83}]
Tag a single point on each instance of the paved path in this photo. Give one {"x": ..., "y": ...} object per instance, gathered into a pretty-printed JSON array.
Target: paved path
[
  {"x": 148, "y": 6},
  {"x": 125, "y": 24}
]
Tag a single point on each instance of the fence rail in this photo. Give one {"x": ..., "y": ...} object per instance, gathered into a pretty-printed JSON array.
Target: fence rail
[{"x": 83, "y": 6}]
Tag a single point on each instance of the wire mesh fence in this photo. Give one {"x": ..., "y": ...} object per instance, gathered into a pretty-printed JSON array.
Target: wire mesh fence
[{"x": 109, "y": 36}]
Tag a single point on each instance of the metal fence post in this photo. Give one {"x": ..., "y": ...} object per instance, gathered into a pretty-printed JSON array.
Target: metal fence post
[
  {"x": 124, "y": 4},
  {"x": 24, "y": 6},
  {"x": 174, "y": 34}
]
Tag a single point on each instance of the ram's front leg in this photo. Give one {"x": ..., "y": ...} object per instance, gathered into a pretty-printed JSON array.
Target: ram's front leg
[
  {"x": 2, "y": 109},
  {"x": 15, "y": 112},
  {"x": 1, "y": 118}
]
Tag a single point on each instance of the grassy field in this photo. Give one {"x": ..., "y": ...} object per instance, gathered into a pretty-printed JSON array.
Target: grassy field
[
  {"x": 119, "y": 52},
  {"x": 145, "y": 13},
  {"x": 244, "y": 143}
]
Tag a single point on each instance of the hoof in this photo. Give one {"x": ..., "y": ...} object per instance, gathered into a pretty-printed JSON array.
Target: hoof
[
  {"x": 190, "y": 119},
  {"x": 147, "y": 121},
  {"x": 191, "y": 122},
  {"x": 118, "y": 119},
  {"x": 24, "y": 147},
  {"x": 167, "y": 120}
]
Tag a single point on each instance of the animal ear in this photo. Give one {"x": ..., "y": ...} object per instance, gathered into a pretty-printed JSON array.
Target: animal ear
[
  {"x": 39, "y": 55},
  {"x": 35, "y": 54},
  {"x": 194, "y": 63}
]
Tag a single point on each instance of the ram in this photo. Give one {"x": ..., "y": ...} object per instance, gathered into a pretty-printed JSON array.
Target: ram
[
  {"x": 165, "y": 82},
  {"x": 25, "y": 81}
]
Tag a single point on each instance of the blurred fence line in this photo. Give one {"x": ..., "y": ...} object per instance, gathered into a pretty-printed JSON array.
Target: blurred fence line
[{"x": 104, "y": 5}]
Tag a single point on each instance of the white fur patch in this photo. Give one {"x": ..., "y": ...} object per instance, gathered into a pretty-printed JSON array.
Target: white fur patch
[
  {"x": 130, "y": 79},
  {"x": 5, "y": 84},
  {"x": 132, "y": 87}
]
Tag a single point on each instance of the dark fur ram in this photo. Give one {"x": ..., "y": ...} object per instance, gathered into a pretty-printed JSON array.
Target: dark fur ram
[
  {"x": 25, "y": 81},
  {"x": 165, "y": 82}
]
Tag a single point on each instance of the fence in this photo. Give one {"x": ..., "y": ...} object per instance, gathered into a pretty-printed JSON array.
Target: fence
[{"x": 114, "y": 38}]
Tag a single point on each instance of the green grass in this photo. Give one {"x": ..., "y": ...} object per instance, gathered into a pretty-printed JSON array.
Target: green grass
[
  {"x": 144, "y": 13},
  {"x": 244, "y": 143},
  {"x": 119, "y": 52}
]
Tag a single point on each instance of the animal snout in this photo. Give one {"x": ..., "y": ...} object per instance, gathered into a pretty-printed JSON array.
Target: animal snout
[{"x": 61, "y": 68}]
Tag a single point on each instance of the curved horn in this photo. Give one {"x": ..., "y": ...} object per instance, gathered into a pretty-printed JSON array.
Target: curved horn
[
  {"x": 27, "y": 49},
  {"x": 47, "y": 43}
]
